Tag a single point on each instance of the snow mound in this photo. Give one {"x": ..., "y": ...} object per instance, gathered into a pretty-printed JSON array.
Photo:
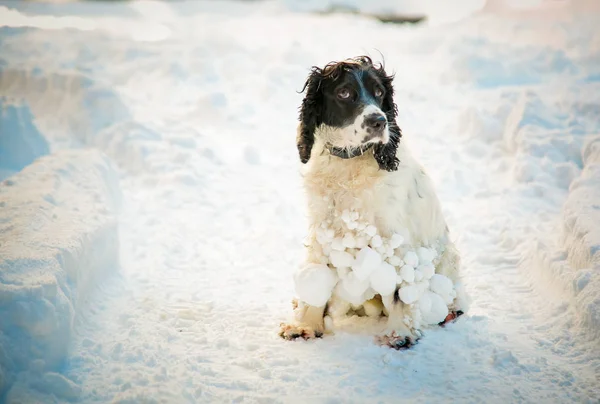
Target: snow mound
[
  {"x": 20, "y": 141},
  {"x": 581, "y": 216},
  {"x": 58, "y": 237},
  {"x": 70, "y": 108},
  {"x": 356, "y": 272}
]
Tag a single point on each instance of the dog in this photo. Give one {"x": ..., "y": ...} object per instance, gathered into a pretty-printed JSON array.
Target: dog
[{"x": 352, "y": 156}]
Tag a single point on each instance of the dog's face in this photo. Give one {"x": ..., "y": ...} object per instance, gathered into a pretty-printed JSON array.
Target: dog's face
[
  {"x": 350, "y": 105},
  {"x": 351, "y": 110}
]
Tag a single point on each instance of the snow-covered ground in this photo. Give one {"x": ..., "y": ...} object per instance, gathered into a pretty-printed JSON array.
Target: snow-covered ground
[{"x": 191, "y": 108}]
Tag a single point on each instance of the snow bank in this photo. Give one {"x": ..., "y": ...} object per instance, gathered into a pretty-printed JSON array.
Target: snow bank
[
  {"x": 20, "y": 140},
  {"x": 71, "y": 109},
  {"x": 58, "y": 236},
  {"x": 581, "y": 232}
]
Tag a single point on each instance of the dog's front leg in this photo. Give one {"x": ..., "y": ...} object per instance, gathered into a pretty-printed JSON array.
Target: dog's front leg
[
  {"x": 397, "y": 334},
  {"x": 308, "y": 324}
]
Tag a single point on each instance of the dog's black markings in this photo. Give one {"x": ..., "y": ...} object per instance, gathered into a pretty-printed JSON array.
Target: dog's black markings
[
  {"x": 396, "y": 296},
  {"x": 402, "y": 344},
  {"x": 320, "y": 106}
]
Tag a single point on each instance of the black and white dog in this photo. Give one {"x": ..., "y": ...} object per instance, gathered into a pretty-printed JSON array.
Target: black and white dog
[{"x": 353, "y": 158}]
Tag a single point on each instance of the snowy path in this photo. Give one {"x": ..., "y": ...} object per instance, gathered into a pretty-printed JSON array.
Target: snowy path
[{"x": 213, "y": 217}]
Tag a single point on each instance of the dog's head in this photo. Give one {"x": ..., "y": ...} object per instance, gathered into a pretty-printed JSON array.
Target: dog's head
[{"x": 350, "y": 105}]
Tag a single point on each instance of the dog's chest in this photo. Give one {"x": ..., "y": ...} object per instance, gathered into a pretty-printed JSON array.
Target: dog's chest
[{"x": 380, "y": 198}]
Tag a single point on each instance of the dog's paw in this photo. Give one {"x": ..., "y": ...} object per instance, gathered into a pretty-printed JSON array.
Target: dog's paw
[
  {"x": 451, "y": 317},
  {"x": 396, "y": 341},
  {"x": 294, "y": 331}
]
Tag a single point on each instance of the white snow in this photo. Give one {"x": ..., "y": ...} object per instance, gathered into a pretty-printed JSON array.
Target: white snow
[
  {"x": 367, "y": 260},
  {"x": 353, "y": 289},
  {"x": 425, "y": 255},
  {"x": 396, "y": 240},
  {"x": 349, "y": 241},
  {"x": 383, "y": 279},
  {"x": 411, "y": 259},
  {"x": 433, "y": 308},
  {"x": 58, "y": 239},
  {"x": 427, "y": 270},
  {"x": 407, "y": 273},
  {"x": 196, "y": 105},
  {"x": 341, "y": 259},
  {"x": 314, "y": 284},
  {"x": 443, "y": 287}
]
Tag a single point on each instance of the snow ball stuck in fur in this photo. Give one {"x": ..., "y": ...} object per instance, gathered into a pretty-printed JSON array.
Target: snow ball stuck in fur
[
  {"x": 411, "y": 259},
  {"x": 342, "y": 272},
  {"x": 427, "y": 270},
  {"x": 432, "y": 307},
  {"x": 314, "y": 284},
  {"x": 337, "y": 244},
  {"x": 383, "y": 279},
  {"x": 376, "y": 241},
  {"x": 367, "y": 260},
  {"x": 407, "y": 273},
  {"x": 341, "y": 259},
  {"x": 349, "y": 241},
  {"x": 395, "y": 261},
  {"x": 409, "y": 293},
  {"x": 347, "y": 289},
  {"x": 370, "y": 230},
  {"x": 396, "y": 240},
  {"x": 426, "y": 255},
  {"x": 354, "y": 286},
  {"x": 442, "y": 286}
]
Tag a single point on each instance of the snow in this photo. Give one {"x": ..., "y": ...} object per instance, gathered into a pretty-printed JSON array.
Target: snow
[
  {"x": 58, "y": 238},
  {"x": 442, "y": 286},
  {"x": 407, "y": 273},
  {"x": 194, "y": 105},
  {"x": 411, "y": 259},
  {"x": 433, "y": 308},
  {"x": 341, "y": 259},
  {"x": 383, "y": 279},
  {"x": 314, "y": 284},
  {"x": 367, "y": 260},
  {"x": 20, "y": 140},
  {"x": 426, "y": 270},
  {"x": 409, "y": 293}
]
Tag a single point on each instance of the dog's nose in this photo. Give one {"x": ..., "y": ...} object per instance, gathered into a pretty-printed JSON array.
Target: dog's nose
[{"x": 375, "y": 121}]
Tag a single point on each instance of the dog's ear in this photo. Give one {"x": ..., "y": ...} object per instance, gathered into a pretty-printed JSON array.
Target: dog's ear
[
  {"x": 385, "y": 154},
  {"x": 310, "y": 114}
]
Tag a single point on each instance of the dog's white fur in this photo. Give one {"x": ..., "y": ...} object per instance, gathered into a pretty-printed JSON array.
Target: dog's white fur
[{"x": 392, "y": 201}]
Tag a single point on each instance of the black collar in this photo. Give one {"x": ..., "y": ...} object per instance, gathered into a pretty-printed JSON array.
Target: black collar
[{"x": 345, "y": 153}]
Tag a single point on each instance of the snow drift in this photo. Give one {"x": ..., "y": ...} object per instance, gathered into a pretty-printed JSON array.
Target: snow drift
[
  {"x": 20, "y": 140},
  {"x": 58, "y": 235},
  {"x": 581, "y": 216}
]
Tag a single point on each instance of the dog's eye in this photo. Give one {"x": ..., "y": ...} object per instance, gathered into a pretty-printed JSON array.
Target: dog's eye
[
  {"x": 378, "y": 92},
  {"x": 343, "y": 93}
]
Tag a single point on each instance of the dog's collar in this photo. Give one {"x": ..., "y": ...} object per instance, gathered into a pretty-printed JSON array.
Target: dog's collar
[{"x": 346, "y": 153}]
